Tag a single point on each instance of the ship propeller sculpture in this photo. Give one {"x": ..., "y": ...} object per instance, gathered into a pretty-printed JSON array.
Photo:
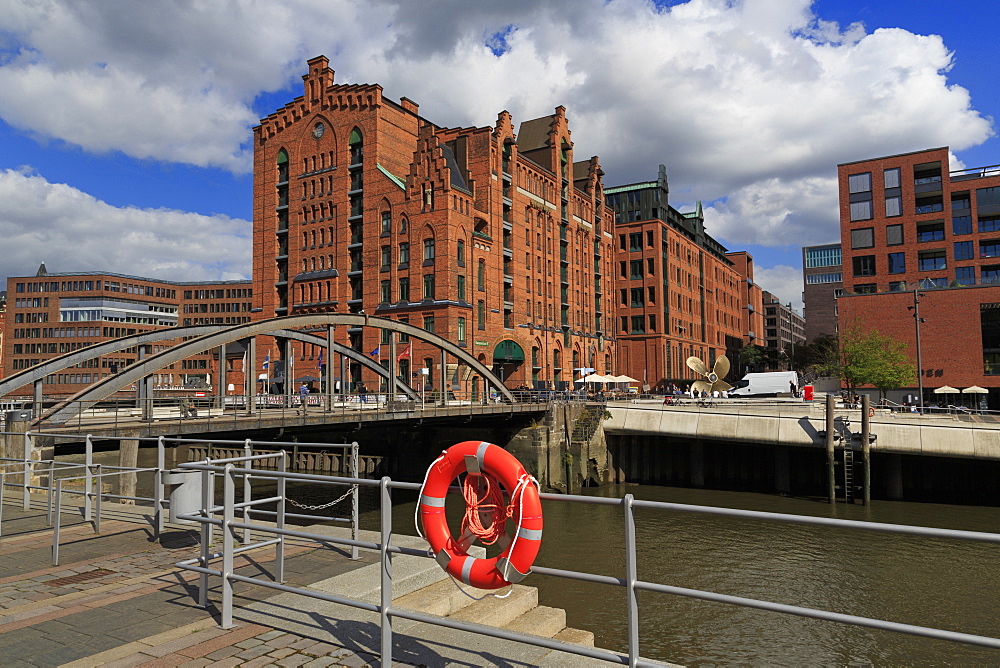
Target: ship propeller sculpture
[{"x": 713, "y": 379}]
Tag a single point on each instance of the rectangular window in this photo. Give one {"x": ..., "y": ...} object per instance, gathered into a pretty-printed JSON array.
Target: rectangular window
[
  {"x": 461, "y": 287},
  {"x": 897, "y": 286},
  {"x": 461, "y": 330},
  {"x": 429, "y": 323},
  {"x": 897, "y": 263},
  {"x": 893, "y": 235},
  {"x": 891, "y": 177},
  {"x": 861, "y": 210},
  {"x": 428, "y": 286},
  {"x": 404, "y": 253},
  {"x": 989, "y": 223},
  {"x": 864, "y": 265},
  {"x": 816, "y": 279},
  {"x": 860, "y": 183},
  {"x": 386, "y": 257},
  {"x": 964, "y": 250},
  {"x": 893, "y": 206},
  {"x": 986, "y": 197},
  {"x": 961, "y": 225},
  {"x": 989, "y": 274},
  {"x": 638, "y": 325},
  {"x": 930, "y": 231},
  {"x": 959, "y": 201},
  {"x": 650, "y": 266},
  {"x": 933, "y": 260},
  {"x": 637, "y": 295},
  {"x": 635, "y": 241},
  {"x": 865, "y": 289},
  {"x": 965, "y": 275},
  {"x": 635, "y": 269},
  {"x": 386, "y": 222},
  {"x": 404, "y": 289},
  {"x": 385, "y": 290},
  {"x": 863, "y": 238},
  {"x": 989, "y": 248},
  {"x": 428, "y": 249}
]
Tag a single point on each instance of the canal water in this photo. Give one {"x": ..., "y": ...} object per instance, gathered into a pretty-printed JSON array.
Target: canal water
[{"x": 939, "y": 583}]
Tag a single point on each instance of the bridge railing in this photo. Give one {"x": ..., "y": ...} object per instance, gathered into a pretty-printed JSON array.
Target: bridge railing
[
  {"x": 183, "y": 412},
  {"x": 223, "y": 517}
]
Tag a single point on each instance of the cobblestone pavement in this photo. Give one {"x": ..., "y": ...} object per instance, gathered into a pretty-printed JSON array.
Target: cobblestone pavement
[{"x": 117, "y": 599}]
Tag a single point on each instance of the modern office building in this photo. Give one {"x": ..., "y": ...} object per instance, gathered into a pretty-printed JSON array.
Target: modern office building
[
  {"x": 50, "y": 314},
  {"x": 913, "y": 230},
  {"x": 494, "y": 237},
  {"x": 784, "y": 329},
  {"x": 823, "y": 282},
  {"x": 678, "y": 295}
]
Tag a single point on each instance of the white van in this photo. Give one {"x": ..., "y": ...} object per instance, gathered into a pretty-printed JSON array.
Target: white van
[{"x": 765, "y": 384}]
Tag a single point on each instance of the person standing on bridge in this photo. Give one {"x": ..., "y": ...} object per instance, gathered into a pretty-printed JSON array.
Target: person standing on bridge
[{"x": 303, "y": 397}]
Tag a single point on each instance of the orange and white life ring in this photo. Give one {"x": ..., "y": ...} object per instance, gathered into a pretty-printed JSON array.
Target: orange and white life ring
[
  {"x": 871, "y": 412},
  {"x": 485, "y": 464}
]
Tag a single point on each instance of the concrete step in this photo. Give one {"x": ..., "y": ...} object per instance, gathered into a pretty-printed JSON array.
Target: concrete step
[
  {"x": 540, "y": 621},
  {"x": 442, "y": 598},
  {"x": 494, "y": 611},
  {"x": 576, "y": 636}
]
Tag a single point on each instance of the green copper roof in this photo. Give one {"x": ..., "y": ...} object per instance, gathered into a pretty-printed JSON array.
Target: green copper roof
[{"x": 394, "y": 179}]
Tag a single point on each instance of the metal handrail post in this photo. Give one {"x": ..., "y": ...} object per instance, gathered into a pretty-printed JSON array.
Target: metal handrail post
[
  {"x": 206, "y": 533},
  {"x": 279, "y": 547},
  {"x": 158, "y": 503},
  {"x": 247, "y": 452},
  {"x": 100, "y": 495},
  {"x": 161, "y": 465},
  {"x": 3, "y": 484},
  {"x": 48, "y": 494},
  {"x": 228, "y": 496},
  {"x": 88, "y": 482},
  {"x": 631, "y": 576},
  {"x": 385, "y": 526},
  {"x": 55, "y": 529},
  {"x": 354, "y": 500},
  {"x": 25, "y": 491}
]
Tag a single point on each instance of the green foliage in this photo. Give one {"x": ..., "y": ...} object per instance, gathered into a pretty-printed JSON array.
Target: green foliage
[
  {"x": 867, "y": 357},
  {"x": 751, "y": 356}
]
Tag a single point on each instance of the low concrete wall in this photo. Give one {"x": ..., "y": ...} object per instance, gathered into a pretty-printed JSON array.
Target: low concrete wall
[{"x": 798, "y": 425}]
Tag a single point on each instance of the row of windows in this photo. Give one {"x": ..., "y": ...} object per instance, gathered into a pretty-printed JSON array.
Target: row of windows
[{"x": 228, "y": 307}]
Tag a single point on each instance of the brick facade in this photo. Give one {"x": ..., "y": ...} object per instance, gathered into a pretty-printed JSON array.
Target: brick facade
[
  {"x": 908, "y": 222},
  {"x": 51, "y": 314},
  {"x": 677, "y": 294},
  {"x": 496, "y": 240}
]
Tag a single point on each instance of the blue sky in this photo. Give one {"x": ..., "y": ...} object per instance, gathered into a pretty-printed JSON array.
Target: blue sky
[{"x": 125, "y": 127}]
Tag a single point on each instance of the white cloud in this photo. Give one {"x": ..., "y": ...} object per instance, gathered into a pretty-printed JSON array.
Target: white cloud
[
  {"x": 755, "y": 100},
  {"x": 783, "y": 282},
  {"x": 72, "y": 231}
]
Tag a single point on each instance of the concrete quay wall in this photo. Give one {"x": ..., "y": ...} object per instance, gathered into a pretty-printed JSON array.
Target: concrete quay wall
[{"x": 799, "y": 425}]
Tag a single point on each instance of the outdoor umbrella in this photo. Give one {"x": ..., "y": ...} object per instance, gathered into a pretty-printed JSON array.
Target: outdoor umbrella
[
  {"x": 946, "y": 389},
  {"x": 307, "y": 379},
  {"x": 623, "y": 379},
  {"x": 595, "y": 378},
  {"x": 975, "y": 389}
]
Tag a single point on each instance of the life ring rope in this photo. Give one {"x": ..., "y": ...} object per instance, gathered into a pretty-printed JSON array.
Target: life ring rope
[{"x": 490, "y": 471}]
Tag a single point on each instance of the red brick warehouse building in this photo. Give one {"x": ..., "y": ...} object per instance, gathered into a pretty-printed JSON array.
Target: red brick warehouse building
[
  {"x": 679, "y": 295},
  {"x": 913, "y": 229},
  {"x": 496, "y": 240}
]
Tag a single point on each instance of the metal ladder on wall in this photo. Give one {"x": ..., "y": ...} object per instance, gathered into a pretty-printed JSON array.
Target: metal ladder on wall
[{"x": 848, "y": 473}]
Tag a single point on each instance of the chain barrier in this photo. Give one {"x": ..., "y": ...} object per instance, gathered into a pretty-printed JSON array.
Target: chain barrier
[{"x": 322, "y": 506}]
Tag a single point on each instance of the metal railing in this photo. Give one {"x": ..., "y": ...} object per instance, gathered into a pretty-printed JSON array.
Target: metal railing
[
  {"x": 52, "y": 483},
  {"x": 223, "y": 516},
  {"x": 233, "y": 411}
]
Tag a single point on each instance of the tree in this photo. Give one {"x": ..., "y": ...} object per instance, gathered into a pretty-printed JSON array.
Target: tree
[
  {"x": 868, "y": 357},
  {"x": 751, "y": 356}
]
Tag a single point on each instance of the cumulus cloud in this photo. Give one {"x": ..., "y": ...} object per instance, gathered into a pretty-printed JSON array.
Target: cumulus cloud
[
  {"x": 784, "y": 282},
  {"x": 751, "y": 104},
  {"x": 70, "y": 230}
]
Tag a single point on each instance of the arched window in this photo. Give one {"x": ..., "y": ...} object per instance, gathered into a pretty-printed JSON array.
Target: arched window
[
  {"x": 282, "y": 166},
  {"x": 460, "y": 252},
  {"x": 357, "y": 147},
  {"x": 404, "y": 225}
]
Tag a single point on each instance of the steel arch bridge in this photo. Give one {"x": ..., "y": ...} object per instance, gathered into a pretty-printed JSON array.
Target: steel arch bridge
[{"x": 213, "y": 336}]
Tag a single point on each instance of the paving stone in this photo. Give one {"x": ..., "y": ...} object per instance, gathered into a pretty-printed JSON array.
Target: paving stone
[
  {"x": 320, "y": 662},
  {"x": 253, "y": 652},
  {"x": 281, "y": 652},
  {"x": 293, "y": 661},
  {"x": 223, "y": 653},
  {"x": 249, "y": 642},
  {"x": 270, "y": 635}
]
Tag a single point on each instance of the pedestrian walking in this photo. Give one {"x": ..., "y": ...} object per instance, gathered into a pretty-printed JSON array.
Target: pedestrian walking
[{"x": 303, "y": 397}]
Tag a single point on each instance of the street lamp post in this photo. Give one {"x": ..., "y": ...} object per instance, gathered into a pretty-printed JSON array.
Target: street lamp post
[{"x": 920, "y": 367}]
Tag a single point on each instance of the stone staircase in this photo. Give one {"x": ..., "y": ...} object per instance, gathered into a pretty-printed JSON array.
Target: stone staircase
[{"x": 587, "y": 424}]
